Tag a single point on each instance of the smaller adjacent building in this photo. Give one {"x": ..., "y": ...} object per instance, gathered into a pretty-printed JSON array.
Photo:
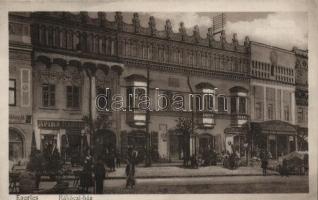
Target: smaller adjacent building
[
  {"x": 273, "y": 116},
  {"x": 301, "y": 96}
]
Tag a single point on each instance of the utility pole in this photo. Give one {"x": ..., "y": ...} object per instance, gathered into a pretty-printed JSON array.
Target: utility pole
[{"x": 148, "y": 139}]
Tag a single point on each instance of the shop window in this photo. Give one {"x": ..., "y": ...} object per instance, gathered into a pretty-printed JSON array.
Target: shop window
[
  {"x": 48, "y": 95},
  {"x": 222, "y": 104},
  {"x": 16, "y": 146},
  {"x": 12, "y": 92},
  {"x": 72, "y": 97}
]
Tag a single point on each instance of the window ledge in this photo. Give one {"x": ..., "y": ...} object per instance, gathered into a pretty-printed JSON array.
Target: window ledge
[
  {"x": 72, "y": 109},
  {"x": 48, "y": 108}
]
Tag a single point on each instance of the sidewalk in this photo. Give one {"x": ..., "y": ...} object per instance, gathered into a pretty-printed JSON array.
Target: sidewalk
[
  {"x": 163, "y": 171},
  {"x": 178, "y": 171}
]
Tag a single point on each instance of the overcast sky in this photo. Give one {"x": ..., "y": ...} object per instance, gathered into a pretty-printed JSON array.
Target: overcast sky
[{"x": 281, "y": 29}]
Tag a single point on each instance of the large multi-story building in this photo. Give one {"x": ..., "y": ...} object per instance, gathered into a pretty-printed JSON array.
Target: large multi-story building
[{"x": 73, "y": 59}]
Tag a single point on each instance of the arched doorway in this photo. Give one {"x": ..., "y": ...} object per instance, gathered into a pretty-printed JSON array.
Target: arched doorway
[
  {"x": 16, "y": 145},
  {"x": 105, "y": 143}
]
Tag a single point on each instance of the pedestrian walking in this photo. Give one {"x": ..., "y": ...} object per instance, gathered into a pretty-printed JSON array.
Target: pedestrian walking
[
  {"x": 100, "y": 172},
  {"x": 118, "y": 157},
  {"x": 264, "y": 161},
  {"x": 130, "y": 168},
  {"x": 130, "y": 173},
  {"x": 112, "y": 160},
  {"x": 86, "y": 179}
]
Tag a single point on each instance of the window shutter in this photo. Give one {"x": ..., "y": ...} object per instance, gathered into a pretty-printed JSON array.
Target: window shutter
[{"x": 25, "y": 87}]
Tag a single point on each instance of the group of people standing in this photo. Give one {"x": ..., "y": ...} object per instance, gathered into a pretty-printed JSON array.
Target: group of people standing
[{"x": 98, "y": 169}]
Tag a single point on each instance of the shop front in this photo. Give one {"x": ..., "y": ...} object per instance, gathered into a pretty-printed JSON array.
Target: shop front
[
  {"x": 105, "y": 143},
  {"x": 67, "y": 137},
  {"x": 237, "y": 140},
  {"x": 277, "y": 137}
]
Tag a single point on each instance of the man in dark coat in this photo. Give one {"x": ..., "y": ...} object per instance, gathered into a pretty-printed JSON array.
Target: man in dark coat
[
  {"x": 99, "y": 176},
  {"x": 264, "y": 159}
]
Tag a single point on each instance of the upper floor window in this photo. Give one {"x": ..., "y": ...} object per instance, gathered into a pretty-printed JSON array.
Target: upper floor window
[
  {"x": 270, "y": 111},
  {"x": 12, "y": 92},
  {"x": 222, "y": 103},
  {"x": 48, "y": 95},
  {"x": 72, "y": 97},
  {"x": 135, "y": 94},
  {"x": 258, "y": 110},
  {"x": 104, "y": 100},
  {"x": 242, "y": 105},
  {"x": 239, "y": 100},
  {"x": 286, "y": 112}
]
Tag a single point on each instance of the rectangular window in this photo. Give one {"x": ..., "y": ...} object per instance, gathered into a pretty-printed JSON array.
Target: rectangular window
[
  {"x": 222, "y": 104},
  {"x": 72, "y": 97},
  {"x": 270, "y": 111},
  {"x": 258, "y": 110},
  {"x": 48, "y": 95},
  {"x": 286, "y": 112},
  {"x": 105, "y": 101},
  {"x": 179, "y": 57},
  {"x": 233, "y": 105},
  {"x": 144, "y": 52},
  {"x": 242, "y": 105},
  {"x": 25, "y": 87},
  {"x": 150, "y": 52},
  {"x": 12, "y": 92},
  {"x": 300, "y": 114},
  {"x": 112, "y": 48}
]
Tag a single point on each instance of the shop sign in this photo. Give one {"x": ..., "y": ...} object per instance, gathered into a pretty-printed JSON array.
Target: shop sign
[
  {"x": 19, "y": 119},
  {"x": 60, "y": 124}
]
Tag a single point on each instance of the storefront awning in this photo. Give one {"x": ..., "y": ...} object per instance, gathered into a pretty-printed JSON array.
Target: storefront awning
[{"x": 273, "y": 127}]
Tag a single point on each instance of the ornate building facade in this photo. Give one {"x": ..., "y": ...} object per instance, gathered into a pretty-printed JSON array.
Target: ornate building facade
[{"x": 73, "y": 59}]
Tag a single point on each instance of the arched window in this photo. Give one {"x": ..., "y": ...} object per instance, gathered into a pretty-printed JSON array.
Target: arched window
[{"x": 16, "y": 145}]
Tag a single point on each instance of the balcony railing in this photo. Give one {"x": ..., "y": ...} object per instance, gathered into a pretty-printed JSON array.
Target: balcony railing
[{"x": 239, "y": 119}]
